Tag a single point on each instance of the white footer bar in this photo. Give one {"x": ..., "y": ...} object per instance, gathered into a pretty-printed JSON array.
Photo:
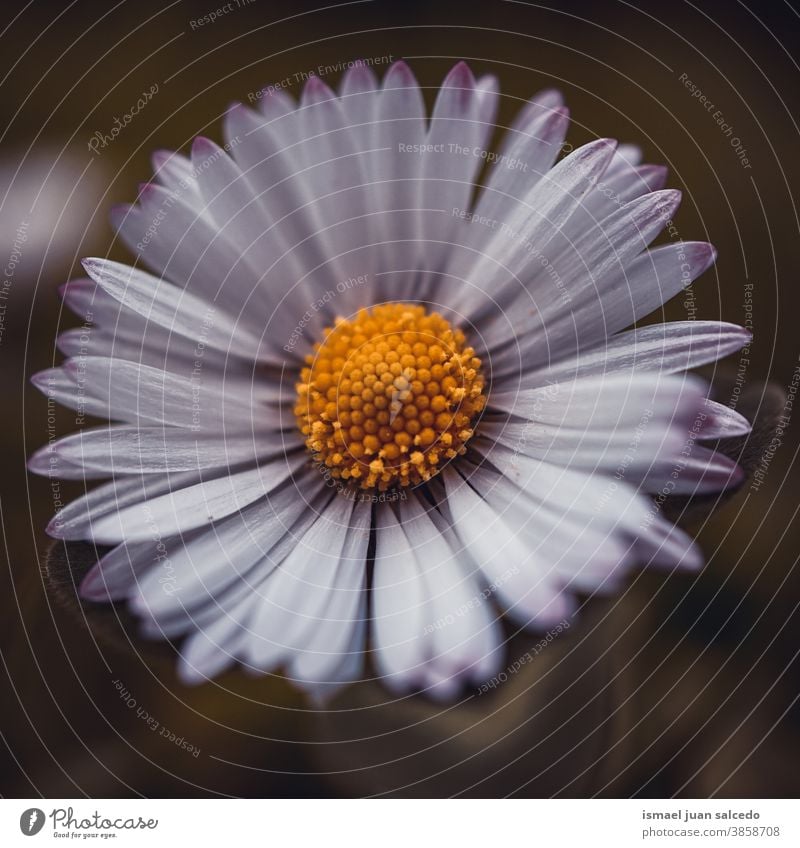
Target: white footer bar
[{"x": 401, "y": 823}]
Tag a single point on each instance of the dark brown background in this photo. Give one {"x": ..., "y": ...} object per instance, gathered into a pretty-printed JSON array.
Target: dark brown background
[{"x": 704, "y": 670}]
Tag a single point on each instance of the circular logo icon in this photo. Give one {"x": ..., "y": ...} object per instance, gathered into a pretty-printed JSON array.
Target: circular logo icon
[{"x": 31, "y": 821}]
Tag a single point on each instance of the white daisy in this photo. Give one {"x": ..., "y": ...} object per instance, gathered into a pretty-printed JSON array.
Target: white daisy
[{"x": 358, "y": 403}]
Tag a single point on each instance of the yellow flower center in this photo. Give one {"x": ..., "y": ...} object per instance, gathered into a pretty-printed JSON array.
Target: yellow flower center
[{"x": 388, "y": 396}]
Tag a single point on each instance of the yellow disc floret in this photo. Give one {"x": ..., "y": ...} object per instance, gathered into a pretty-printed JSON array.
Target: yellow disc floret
[{"x": 388, "y": 396}]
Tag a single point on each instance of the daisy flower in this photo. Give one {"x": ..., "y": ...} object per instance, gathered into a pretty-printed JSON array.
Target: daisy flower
[{"x": 375, "y": 389}]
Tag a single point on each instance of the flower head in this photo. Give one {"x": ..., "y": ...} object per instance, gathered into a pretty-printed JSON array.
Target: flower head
[
  {"x": 389, "y": 396},
  {"x": 345, "y": 354}
]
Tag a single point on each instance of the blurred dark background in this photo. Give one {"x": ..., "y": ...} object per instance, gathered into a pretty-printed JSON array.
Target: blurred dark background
[{"x": 704, "y": 669}]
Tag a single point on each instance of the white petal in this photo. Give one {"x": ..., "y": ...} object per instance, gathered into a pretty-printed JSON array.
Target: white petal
[
  {"x": 722, "y": 422},
  {"x": 334, "y": 651},
  {"x": 147, "y": 450},
  {"x": 400, "y": 126},
  {"x": 623, "y": 298},
  {"x": 132, "y": 392},
  {"x": 172, "y": 308},
  {"x": 614, "y": 504},
  {"x": 617, "y": 300},
  {"x": 180, "y": 243},
  {"x": 299, "y": 590},
  {"x": 224, "y": 570},
  {"x": 269, "y": 153},
  {"x": 236, "y": 550},
  {"x": 546, "y": 209},
  {"x": 463, "y": 633},
  {"x": 461, "y": 123},
  {"x": 174, "y": 171},
  {"x": 75, "y": 519},
  {"x": 603, "y": 422},
  {"x": 117, "y": 573},
  {"x": 58, "y": 384},
  {"x": 341, "y": 198},
  {"x": 529, "y": 149},
  {"x": 208, "y": 652},
  {"x": 179, "y": 511},
  {"x": 607, "y": 248},
  {"x": 661, "y": 348},
  {"x": 695, "y": 471},
  {"x": 523, "y": 581},
  {"x": 398, "y": 597},
  {"x": 310, "y": 613}
]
